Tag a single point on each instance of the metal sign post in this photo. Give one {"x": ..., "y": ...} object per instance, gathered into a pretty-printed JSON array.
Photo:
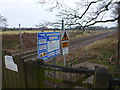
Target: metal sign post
[
  {"x": 64, "y": 42},
  {"x": 64, "y": 45},
  {"x": 63, "y": 55},
  {"x": 21, "y": 43},
  {"x": 64, "y": 60}
]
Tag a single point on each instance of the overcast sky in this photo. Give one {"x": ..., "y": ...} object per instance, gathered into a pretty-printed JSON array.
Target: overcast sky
[{"x": 28, "y": 13}]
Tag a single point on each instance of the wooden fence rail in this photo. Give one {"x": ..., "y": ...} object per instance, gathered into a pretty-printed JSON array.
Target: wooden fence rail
[{"x": 32, "y": 74}]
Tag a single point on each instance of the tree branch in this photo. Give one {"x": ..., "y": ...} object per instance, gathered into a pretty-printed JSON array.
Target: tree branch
[{"x": 111, "y": 20}]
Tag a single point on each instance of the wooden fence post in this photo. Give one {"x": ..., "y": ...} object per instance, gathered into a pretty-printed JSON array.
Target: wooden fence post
[
  {"x": 41, "y": 73},
  {"x": 13, "y": 79},
  {"x": 102, "y": 78},
  {"x": 34, "y": 74},
  {"x": 31, "y": 74},
  {"x": 118, "y": 60}
]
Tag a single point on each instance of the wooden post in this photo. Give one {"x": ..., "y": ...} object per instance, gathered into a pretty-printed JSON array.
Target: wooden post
[
  {"x": 21, "y": 75},
  {"x": 118, "y": 60},
  {"x": 102, "y": 78},
  {"x": 4, "y": 77},
  {"x": 13, "y": 79},
  {"x": 32, "y": 74},
  {"x": 41, "y": 73},
  {"x": 0, "y": 73},
  {"x": 21, "y": 41},
  {"x": 29, "y": 75}
]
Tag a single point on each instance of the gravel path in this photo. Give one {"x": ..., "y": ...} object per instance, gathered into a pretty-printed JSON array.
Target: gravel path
[{"x": 90, "y": 66}]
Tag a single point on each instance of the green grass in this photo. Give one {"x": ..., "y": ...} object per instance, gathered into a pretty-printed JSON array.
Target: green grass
[{"x": 101, "y": 51}]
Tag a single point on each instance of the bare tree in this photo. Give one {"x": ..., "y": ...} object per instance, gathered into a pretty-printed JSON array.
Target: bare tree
[
  {"x": 85, "y": 13},
  {"x": 3, "y": 22}
]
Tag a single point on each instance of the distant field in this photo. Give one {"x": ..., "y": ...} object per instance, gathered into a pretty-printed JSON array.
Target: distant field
[
  {"x": 11, "y": 39},
  {"x": 25, "y": 31},
  {"x": 36, "y": 31}
]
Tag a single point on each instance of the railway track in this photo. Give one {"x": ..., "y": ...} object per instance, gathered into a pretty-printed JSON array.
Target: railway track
[{"x": 31, "y": 53}]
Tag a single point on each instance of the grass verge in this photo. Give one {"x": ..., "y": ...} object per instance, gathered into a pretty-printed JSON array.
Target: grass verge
[{"x": 103, "y": 52}]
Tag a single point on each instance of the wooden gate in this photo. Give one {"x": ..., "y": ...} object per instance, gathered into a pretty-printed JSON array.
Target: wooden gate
[{"x": 37, "y": 74}]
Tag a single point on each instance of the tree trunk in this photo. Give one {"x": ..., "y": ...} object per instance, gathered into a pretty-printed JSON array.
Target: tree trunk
[{"x": 118, "y": 60}]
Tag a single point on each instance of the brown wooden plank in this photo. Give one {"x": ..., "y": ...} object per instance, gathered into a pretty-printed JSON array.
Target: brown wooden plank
[
  {"x": 13, "y": 79},
  {"x": 3, "y": 71},
  {"x": 31, "y": 74},
  {"x": 21, "y": 72},
  {"x": 41, "y": 73}
]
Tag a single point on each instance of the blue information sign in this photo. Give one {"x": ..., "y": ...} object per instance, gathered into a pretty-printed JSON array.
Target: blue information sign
[{"x": 48, "y": 45}]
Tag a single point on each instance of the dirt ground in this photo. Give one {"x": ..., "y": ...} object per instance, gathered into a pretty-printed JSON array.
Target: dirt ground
[{"x": 12, "y": 41}]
